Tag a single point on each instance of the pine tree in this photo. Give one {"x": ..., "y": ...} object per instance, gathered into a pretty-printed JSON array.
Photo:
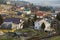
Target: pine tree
[
  {"x": 35, "y": 17},
  {"x": 58, "y": 23},
  {"x": 1, "y": 20},
  {"x": 43, "y": 26}
]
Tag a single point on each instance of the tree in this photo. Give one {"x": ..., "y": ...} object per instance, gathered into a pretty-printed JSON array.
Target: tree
[
  {"x": 58, "y": 16},
  {"x": 1, "y": 20},
  {"x": 35, "y": 17},
  {"x": 2, "y": 1},
  {"x": 43, "y": 26},
  {"x": 56, "y": 24},
  {"x": 45, "y": 9}
]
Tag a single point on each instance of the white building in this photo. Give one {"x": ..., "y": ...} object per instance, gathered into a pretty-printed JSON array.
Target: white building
[{"x": 39, "y": 23}]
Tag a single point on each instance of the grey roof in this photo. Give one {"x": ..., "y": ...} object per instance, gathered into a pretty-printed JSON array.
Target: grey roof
[
  {"x": 14, "y": 20},
  {"x": 7, "y": 23}
]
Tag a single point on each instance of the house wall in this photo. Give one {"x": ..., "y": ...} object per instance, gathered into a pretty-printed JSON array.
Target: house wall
[
  {"x": 17, "y": 26},
  {"x": 37, "y": 25}
]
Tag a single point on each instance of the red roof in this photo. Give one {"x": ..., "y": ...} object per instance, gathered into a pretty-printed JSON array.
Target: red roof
[{"x": 39, "y": 13}]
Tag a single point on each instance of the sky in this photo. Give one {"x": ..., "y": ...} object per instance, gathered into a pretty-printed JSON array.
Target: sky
[{"x": 45, "y": 2}]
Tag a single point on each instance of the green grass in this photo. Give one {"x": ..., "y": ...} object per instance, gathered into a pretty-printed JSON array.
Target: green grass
[
  {"x": 55, "y": 38},
  {"x": 31, "y": 32},
  {"x": 26, "y": 30},
  {"x": 34, "y": 33},
  {"x": 6, "y": 38}
]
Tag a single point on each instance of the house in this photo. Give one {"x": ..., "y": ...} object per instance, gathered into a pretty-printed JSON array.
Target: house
[
  {"x": 19, "y": 13},
  {"x": 40, "y": 14},
  {"x": 38, "y": 25},
  {"x": 22, "y": 8},
  {"x": 27, "y": 11},
  {"x": 13, "y": 23},
  {"x": 6, "y": 25}
]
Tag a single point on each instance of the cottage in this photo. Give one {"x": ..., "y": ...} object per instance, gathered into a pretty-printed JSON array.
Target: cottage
[
  {"x": 40, "y": 14},
  {"x": 38, "y": 25},
  {"x": 6, "y": 25},
  {"x": 27, "y": 11},
  {"x": 13, "y": 23}
]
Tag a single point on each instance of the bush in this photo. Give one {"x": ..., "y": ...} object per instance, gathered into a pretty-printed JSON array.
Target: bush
[
  {"x": 58, "y": 16},
  {"x": 56, "y": 23}
]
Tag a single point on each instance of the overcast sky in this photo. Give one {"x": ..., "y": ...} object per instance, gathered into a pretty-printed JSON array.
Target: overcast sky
[{"x": 45, "y": 2}]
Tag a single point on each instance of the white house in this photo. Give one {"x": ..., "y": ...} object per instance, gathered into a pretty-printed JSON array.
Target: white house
[
  {"x": 39, "y": 23},
  {"x": 27, "y": 12}
]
